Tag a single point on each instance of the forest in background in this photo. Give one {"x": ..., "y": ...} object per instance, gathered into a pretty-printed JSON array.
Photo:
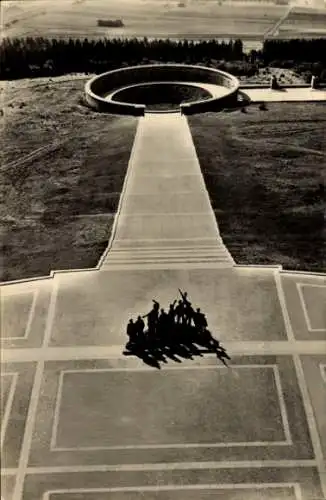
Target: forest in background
[{"x": 38, "y": 57}]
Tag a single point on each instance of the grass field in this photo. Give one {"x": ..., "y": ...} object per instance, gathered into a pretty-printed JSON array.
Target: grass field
[
  {"x": 58, "y": 207},
  {"x": 152, "y": 18},
  {"x": 303, "y": 21},
  {"x": 264, "y": 171},
  {"x": 198, "y": 19}
]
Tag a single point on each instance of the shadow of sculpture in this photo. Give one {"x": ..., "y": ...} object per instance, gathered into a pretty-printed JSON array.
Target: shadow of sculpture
[{"x": 180, "y": 333}]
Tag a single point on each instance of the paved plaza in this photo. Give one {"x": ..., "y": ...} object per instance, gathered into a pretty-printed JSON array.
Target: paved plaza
[
  {"x": 82, "y": 421},
  {"x": 286, "y": 94}
]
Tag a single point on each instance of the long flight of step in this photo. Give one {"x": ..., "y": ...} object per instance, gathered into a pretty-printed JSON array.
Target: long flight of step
[{"x": 165, "y": 217}]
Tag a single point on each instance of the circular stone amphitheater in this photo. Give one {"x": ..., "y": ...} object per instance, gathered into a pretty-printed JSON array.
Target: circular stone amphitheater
[{"x": 162, "y": 87}]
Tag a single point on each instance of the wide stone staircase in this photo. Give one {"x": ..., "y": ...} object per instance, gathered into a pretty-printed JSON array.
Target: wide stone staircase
[{"x": 165, "y": 218}]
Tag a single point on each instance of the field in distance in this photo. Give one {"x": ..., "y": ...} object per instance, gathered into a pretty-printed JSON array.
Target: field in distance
[{"x": 196, "y": 19}]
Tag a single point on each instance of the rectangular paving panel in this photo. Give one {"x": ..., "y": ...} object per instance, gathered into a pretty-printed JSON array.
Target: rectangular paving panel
[
  {"x": 241, "y": 305},
  {"x": 305, "y": 302},
  {"x": 313, "y": 302},
  {"x": 315, "y": 374},
  {"x": 8, "y": 382},
  {"x": 8, "y": 388},
  {"x": 18, "y": 379},
  {"x": 182, "y": 395},
  {"x": 17, "y": 311},
  {"x": 188, "y": 492},
  {"x": 203, "y": 412},
  {"x": 94, "y": 308},
  {"x": 7, "y": 486},
  {"x": 256, "y": 483},
  {"x": 24, "y": 310}
]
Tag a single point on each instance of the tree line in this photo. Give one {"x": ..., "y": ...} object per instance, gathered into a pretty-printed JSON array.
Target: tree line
[
  {"x": 306, "y": 57},
  {"x": 38, "y": 56},
  {"x": 33, "y": 57},
  {"x": 295, "y": 50}
]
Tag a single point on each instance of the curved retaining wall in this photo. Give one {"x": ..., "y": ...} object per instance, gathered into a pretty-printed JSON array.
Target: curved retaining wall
[
  {"x": 98, "y": 87},
  {"x": 140, "y": 93}
]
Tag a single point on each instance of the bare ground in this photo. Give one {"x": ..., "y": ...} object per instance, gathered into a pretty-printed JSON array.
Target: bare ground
[
  {"x": 265, "y": 173},
  {"x": 62, "y": 172}
]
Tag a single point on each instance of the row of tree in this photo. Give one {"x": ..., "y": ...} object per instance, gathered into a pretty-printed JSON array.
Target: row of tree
[
  {"x": 305, "y": 57},
  {"x": 296, "y": 50},
  {"x": 26, "y": 57},
  {"x": 33, "y": 57}
]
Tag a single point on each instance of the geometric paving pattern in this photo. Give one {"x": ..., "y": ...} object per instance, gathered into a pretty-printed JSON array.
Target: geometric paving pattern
[
  {"x": 111, "y": 427},
  {"x": 82, "y": 422},
  {"x": 312, "y": 298},
  {"x": 306, "y": 298}
]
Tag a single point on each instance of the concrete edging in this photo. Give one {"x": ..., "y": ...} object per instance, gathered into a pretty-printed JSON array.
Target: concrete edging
[{"x": 261, "y": 267}]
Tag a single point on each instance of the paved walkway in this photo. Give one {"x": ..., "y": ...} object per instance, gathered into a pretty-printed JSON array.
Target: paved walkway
[
  {"x": 82, "y": 421},
  {"x": 166, "y": 216},
  {"x": 285, "y": 95}
]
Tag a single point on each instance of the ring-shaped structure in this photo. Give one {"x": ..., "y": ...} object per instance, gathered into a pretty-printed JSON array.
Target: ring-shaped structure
[
  {"x": 100, "y": 88},
  {"x": 162, "y": 97}
]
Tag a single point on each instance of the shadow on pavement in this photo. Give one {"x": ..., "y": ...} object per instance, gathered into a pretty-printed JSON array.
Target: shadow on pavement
[{"x": 181, "y": 333}]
